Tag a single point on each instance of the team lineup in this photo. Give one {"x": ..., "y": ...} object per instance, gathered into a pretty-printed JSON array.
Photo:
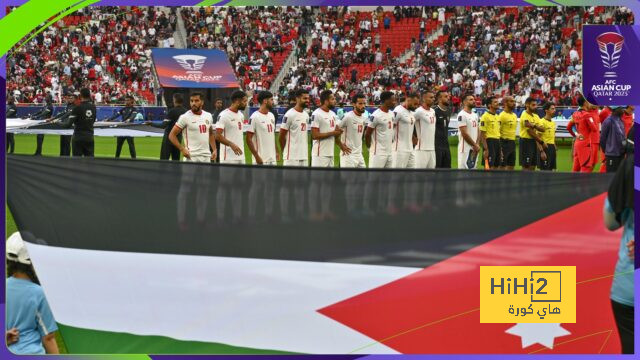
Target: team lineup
[{"x": 411, "y": 134}]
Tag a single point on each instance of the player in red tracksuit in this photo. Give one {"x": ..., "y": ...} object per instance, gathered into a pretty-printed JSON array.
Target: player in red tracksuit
[
  {"x": 586, "y": 125},
  {"x": 596, "y": 154}
]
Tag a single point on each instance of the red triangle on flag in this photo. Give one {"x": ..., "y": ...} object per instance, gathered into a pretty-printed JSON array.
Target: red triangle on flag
[{"x": 436, "y": 310}]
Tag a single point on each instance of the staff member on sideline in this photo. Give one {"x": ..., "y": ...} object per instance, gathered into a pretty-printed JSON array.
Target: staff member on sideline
[
  {"x": 65, "y": 140},
  {"x": 167, "y": 150},
  {"x": 43, "y": 114},
  {"x": 612, "y": 138},
  {"x": 618, "y": 212},
  {"x": 547, "y": 160},
  {"x": 27, "y": 309},
  {"x": 128, "y": 113},
  {"x": 83, "y": 116},
  {"x": 12, "y": 112}
]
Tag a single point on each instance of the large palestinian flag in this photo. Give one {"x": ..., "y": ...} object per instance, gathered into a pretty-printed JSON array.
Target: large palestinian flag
[{"x": 160, "y": 257}]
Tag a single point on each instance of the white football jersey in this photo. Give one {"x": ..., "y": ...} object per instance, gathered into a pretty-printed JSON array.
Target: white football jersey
[
  {"x": 382, "y": 124},
  {"x": 425, "y": 128},
  {"x": 195, "y": 131},
  {"x": 353, "y": 128},
  {"x": 471, "y": 122},
  {"x": 262, "y": 126},
  {"x": 404, "y": 123},
  {"x": 231, "y": 123},
  {"x": 325, "y": 122},
  {"x": 296, "y": 146}
]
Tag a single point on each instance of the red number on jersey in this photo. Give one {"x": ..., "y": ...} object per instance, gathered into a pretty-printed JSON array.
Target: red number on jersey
[
  {"x": 303, "y": 127},
  {"x": 333, "y": 123},
  {"x": 360, "y": 128},
  {"x": 269, "y": 128},
  {"x": 203, "y": 129}
]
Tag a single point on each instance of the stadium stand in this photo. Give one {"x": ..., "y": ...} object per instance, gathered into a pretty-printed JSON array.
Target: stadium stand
[
  {"x": 258, "y": 40},
  {"x": 104, "y": 48},
  {"x": 525, "y": 51}
]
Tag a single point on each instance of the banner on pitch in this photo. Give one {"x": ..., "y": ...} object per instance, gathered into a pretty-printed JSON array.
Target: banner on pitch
[{"x": 170, "y": 257}]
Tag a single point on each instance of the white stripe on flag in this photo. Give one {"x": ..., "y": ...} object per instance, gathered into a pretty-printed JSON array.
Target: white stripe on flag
[{"x": 266, "y": 304}]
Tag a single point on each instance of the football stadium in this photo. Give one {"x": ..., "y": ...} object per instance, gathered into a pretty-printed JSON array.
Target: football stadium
[{"x": 312, "y": 180}]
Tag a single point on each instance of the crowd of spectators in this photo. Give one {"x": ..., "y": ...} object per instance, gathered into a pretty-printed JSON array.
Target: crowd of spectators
[
  {"x": 525, "y": 51},
  {"x": 256, "y": 39},
  {"x": 106, "y": 49}
]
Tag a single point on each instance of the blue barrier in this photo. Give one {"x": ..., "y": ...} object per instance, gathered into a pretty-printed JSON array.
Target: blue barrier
[
  {"x": 104, "y": 112},
  {"x": 159, "y": 112}
]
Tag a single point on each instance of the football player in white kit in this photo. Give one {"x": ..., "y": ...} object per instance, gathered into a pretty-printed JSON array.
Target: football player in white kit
[
  {"x": 468, "y": 122},
  {"x": 294, "y": 140},
  {"x": 353, "y": 124},
  {"x": 261, "y": 133},
  {"x": 229, "y": 128},
  {"x": 325, "y": 132},
  {"x": 262, "y": 144},
  {"x": 294, "y": 144},
  {"x": 404, "y": 125},
  {"x": 426, "y": 131},
  {"x": 197, "y": 128},
  {"x": 196, "y": 125},
  {"x": 380, "y": 127}
]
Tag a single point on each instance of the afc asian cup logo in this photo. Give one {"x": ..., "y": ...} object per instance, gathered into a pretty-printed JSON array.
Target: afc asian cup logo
[
  {"x": 192, "y": 63},
  {"x": 610, "y": 45}
]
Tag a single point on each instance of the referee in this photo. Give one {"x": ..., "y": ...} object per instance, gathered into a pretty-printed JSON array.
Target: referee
[
  {"x": 167, "y": 150},
  {"x": 82, "y": 116},
  {"x": 529, "y": 138},
  {"x": 547, "y": 160},
  {"x": 490, "y": 132},
  {"x": 443, "y": 116}
]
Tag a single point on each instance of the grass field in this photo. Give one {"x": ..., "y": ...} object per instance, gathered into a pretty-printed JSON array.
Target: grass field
[{"x": 149, "y": 148}]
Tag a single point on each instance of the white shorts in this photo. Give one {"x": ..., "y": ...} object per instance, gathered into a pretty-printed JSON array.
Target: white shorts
[
  {"x": 234, "y": 162},
  {"x": 352, "y": 161},
  {"x": 322, "y": 161},
  {"x": 300, "y": 163},
  {"x": 404, "y": 160},
  {"x": 425, "y": 159},
  {"x": 380, "y": 161},
  {"x": 201, "y": 158},
  {"x": 462, "y": 159},
  {"x": 269, "y": 163}
]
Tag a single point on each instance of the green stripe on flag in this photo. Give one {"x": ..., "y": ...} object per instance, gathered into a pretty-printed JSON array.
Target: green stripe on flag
[{"x": 88, "y": 341}]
